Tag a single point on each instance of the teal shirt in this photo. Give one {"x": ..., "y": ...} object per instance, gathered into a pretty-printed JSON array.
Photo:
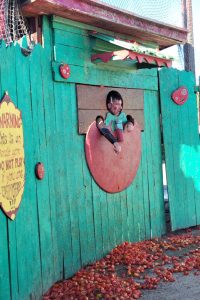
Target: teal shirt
[{"x": 116, "y": 122}]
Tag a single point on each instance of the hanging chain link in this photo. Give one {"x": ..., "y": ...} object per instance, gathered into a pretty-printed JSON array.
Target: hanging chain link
[{"x": 13, "y": 25}]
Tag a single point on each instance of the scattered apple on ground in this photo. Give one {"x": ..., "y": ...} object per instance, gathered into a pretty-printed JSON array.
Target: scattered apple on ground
[{"x": 131, "y": 267}]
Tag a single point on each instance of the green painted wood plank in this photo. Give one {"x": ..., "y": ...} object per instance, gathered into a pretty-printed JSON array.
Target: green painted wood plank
[
  {"x": 104, "y": 222},
  {"x": 15, "y": 228},
  {"x": 42, "y": 187},
  {"x": 157, "y": 162},
  {"x": 167, "y": 137},
  {"x": 145, "y": 187},
  {"x": 133, "y": 215},
  {"x": 148, "y": 72},
  {"x": 28, "y": 261},
  {"x": 179, "y": 201},
  {"x": 185, "y": 136},
  {"x": 159, "y": 180},
  {"x": 10, "y": 86},
  {"x": 72, "y": 55},
  {"x": 175, "y": 110},
  {"x": 71, "y": 27},
  {"x": 102, "y": 46},
  {"x": 150, "y": 175},
  {"x": 71, "y": 180},
  {"x": 118, "y": 220},
  {"x": 123, "y": 200},
  {"x": 81, "y": 202},
  {"x": 78, "y": 195},
  {"x": 139, "y": 207},
  {"x": 181, "y": 193},
  {"x": 130, "y": 212},
  {"x": 62, "y": 213},
  {"x": 102, "y": 75},
  {"x": 5, "y": 284},
  {"x": 63, "y": 207},
  {"x": 87, "y": 186},
  {"x": 111, "y": 219},
  {"x": 190, "y": 133},
  {"x": 51, "y": 144},
  {"x": 71, "y": 39},
  {"x": 194, "y": 134},
  {"x": 96, "y": 191},
  {"x": 153, "y": 154},
  {"x": 112, "y": 212}
]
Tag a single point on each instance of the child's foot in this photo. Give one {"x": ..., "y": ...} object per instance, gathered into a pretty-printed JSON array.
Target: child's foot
[
  {"x": 129, "y": 126},
  {"x": 117, "y": 147},
  {"x": 130, "y": 119},
  {"x": 99, "y": 122}
]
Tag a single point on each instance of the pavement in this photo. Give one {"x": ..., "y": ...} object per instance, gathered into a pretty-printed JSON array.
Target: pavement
[{"x": 185, "y": 287}]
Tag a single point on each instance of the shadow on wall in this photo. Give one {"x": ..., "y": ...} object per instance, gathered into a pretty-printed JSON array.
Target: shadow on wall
[{"x": 190, "y": 163}]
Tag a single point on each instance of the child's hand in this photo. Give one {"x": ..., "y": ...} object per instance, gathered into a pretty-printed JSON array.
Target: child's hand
[
  {"x": 130, "y": 126},
  {"x": 117, "y": 147}
]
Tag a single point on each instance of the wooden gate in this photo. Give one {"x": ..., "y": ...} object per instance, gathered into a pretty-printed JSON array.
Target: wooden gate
[{"x": 181, "y": 145}]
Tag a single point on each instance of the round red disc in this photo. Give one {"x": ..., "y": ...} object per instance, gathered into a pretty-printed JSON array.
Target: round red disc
[
  {"x": 113, "y": 172},
  {"x": 39, "y": 170},
  {"x": 180, "y": 96},
  {"x": 64, "y": 71}
]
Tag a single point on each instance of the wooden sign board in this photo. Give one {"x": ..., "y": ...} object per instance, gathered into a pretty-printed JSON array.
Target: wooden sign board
[
  {"x": 12, "y": 169},
  {"x": 92, "y": 102}
]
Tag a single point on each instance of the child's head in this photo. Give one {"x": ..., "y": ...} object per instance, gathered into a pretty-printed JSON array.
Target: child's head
[{"x": 114, "y": 102}]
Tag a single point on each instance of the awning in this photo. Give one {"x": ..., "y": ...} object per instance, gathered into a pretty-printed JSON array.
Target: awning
[
  {"x": 129, "y": 50},
  {"x": 126, "y": 54}
]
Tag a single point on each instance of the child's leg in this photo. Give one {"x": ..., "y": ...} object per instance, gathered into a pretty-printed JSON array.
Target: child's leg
[
  {"x": 120, "y": 135},
  {"x": 107, "y": 134}
]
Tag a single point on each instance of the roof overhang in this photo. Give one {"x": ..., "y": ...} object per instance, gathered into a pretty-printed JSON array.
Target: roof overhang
[{"x": 99, "y": 14}]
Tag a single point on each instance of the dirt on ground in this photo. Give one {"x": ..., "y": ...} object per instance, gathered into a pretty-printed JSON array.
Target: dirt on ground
[{"x": 165, "y": 268}]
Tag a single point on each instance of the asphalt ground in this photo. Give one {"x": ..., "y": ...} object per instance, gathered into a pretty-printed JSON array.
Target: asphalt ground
[{"x": 185, "y": 287}]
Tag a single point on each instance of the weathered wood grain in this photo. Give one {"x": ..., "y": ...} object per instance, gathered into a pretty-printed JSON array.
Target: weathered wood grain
[
  {"x": 94, "y": 97},
  {"x": 66, "y": 221},
  {"x": 181, "y": 140}
]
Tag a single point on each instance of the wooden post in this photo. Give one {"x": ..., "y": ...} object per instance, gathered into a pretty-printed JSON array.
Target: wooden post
[{"x": 188, "y": 48}]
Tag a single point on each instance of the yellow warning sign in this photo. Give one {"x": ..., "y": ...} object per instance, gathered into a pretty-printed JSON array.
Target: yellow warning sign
[{"x": 12, "y": 169}]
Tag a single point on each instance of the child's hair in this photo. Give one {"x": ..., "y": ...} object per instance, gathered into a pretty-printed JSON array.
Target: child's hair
[{"x": 113, "y": 95}]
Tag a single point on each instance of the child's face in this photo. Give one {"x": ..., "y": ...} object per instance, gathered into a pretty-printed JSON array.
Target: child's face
[{"x": 115, "y": 107}]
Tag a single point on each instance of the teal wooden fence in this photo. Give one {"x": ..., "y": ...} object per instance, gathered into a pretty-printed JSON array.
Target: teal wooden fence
[
  {"x": 66, "y": 221},
  {"x": 181, "y": 143}
]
